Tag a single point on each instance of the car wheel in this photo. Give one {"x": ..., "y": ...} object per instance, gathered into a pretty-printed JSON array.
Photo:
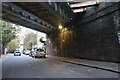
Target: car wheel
[
  {"x": 36, "y": 57},
  {"x": 44, "y": 56},
  {"x": 33, "y": 56}
]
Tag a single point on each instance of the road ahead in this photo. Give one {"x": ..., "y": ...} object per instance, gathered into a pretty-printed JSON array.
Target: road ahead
[{"x": 28, "y": 67}]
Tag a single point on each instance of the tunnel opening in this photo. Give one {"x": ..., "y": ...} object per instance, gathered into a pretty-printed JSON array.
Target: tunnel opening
[{"x": 16, "y": 37}]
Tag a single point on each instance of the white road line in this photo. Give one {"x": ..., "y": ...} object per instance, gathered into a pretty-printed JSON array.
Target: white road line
[{"x": 70, "y": 70}]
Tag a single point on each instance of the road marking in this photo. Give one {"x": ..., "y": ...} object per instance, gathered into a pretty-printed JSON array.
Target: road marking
[{"x": 70, "y": 70}]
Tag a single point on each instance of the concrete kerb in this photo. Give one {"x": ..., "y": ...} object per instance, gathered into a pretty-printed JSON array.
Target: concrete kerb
[{"x": 88, "y": 65}]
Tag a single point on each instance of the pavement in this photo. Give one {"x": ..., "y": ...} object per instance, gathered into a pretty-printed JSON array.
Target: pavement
[
  {"x": 28, "y": 67},
  {"x": 109, "y": 66}
]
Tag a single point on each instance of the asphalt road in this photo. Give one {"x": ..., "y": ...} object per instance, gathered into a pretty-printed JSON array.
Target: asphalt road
[{"x": 28, "y": 67}]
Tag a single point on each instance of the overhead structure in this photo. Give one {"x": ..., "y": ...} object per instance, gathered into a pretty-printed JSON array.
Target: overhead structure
[
  {"x": 81, "y": 6},
  {"x": 17, "y": 15},
  {"x": 41, "y": 16}
]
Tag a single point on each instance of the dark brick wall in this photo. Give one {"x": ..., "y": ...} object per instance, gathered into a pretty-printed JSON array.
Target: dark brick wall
[
  {"x": 97, "y": 33},
  {"x": 98, "y": 39},
  {"x": 93, "y": 35}
]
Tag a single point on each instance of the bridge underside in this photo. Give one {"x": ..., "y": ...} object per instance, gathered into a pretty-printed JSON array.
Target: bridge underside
[
  {"x": 40, "y": 16},
  {"x": 23, "y": 22}
]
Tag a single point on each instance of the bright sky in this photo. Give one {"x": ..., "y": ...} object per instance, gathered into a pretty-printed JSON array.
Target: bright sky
[
  {"x": 24, "y": 31},
  {"x": 28, "y": 30}
]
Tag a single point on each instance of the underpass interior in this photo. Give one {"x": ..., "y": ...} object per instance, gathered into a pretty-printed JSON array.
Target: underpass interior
[{"x": 91, "y": 33}]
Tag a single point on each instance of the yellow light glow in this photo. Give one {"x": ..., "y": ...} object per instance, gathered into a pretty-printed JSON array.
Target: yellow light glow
[
  {"x": 60, "y": 27},
  {"x": 65, "y": 29}
]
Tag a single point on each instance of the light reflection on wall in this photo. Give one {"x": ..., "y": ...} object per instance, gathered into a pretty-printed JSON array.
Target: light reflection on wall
[{"x": 65, "y": 39}]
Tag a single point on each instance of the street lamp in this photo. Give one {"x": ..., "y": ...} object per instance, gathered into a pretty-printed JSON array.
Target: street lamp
[{"x": 60, "y": 27}]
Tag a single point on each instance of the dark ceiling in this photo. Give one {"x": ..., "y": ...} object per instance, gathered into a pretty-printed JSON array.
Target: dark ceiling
[{"x": 36, "y": 9}]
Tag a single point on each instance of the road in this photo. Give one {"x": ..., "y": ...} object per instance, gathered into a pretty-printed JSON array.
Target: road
[{"x": 28, "y": 67}]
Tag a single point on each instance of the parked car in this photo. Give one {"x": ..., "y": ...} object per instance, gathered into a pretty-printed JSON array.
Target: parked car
[
  {"x": 39, "y": 53},
  {"x": 32, "y": 51},
  {"x": 26, "y": 52},
  {"x": 17, "y": 53}
]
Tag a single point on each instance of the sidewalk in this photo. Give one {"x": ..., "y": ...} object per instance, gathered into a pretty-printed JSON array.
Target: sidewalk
[{"x": 109, "y": 66}]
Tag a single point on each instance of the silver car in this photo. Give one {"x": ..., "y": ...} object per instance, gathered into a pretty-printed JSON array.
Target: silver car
[
  {"x": 39, "y": 53},
  {"x": 17, "y": 53}
]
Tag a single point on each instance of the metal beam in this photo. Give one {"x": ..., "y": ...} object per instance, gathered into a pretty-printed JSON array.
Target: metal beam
[
  {"x": 26, "y": 16},
  {"x": 62, "y": 9}
]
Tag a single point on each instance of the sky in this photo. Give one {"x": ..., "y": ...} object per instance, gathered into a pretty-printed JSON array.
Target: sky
[{"x": 24, "y": 31}]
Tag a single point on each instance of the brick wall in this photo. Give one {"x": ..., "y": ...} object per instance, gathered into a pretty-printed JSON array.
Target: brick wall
[{"x": 93, "y": 35}]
